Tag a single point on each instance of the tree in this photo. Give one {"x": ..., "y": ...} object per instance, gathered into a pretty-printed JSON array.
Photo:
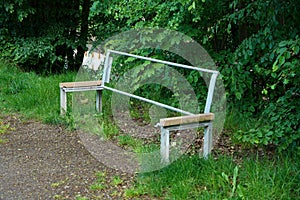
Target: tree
[{"x": 42, "y": 35}]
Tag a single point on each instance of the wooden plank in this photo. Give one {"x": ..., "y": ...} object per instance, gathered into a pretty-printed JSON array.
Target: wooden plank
[
  {"x": 172, "y": 121},
  {"x": 79, "y": 84}
]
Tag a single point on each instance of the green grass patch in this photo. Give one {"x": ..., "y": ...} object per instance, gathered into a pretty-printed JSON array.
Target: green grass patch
[
  {"x": 97, "y": 186},
  {"x": 31, "y": 95},
  {"x": 194, "y": 178},
  {"x": 100, "y": 182},
  {"x": 117, "y": 180}
]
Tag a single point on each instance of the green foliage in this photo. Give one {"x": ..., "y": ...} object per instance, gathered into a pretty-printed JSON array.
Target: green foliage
[
  {"x": 261, "y": 70},
  {"x": 39, "y": 35},
  {"x": 255, "y": 45},
  {"x": 30, "y": 53},
  {"x": 280, "y": 118}
]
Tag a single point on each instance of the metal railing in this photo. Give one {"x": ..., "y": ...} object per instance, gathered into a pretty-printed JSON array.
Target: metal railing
[{"x": 107, "y": 71}]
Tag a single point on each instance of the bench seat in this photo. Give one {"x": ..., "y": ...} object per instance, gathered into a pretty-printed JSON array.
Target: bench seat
[
  {"x": 80, "y": 84},
  {"x": 172, "y": 121}
]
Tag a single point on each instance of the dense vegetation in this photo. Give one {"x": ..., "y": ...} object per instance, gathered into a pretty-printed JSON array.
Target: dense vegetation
[{"x": 255, "y": 45}]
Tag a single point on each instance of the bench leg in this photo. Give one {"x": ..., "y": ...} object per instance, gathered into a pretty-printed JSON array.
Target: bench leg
[
  {"x": 63, "y": 101},
  {"x": 99, "y": 101},
  {"x": 208, "y": 139},
  {"x": 164, "y": 145}
]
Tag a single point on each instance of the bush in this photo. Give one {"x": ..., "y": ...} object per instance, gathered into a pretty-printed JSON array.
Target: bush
[{"x": 279, "y": 124}]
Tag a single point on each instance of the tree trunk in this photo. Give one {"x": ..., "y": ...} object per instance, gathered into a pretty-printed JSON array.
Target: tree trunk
[{"x": 83, "y": 38}]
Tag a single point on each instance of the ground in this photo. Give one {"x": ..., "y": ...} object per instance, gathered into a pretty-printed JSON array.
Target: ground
[{"x": 42, "y": 161}]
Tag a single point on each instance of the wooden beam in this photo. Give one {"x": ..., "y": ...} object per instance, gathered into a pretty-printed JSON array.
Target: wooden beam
[
  {"x": 172, "y": 121},
  {"x": 79, "y": 84}
]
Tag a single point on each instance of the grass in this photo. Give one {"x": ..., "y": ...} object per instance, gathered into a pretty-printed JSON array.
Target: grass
[
  {"x": 189, "y": 177},
  {"x": 29, "y": 94},
  {"x": 222, "y": 178}
]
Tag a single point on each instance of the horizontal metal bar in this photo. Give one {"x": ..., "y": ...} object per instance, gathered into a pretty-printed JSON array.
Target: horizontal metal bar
[
  {"x": 148, "y": 100},
  {"x": 187, "y": 126},
  {"x": 81, "y": 89},
  {"x": 165, "y": 62}
]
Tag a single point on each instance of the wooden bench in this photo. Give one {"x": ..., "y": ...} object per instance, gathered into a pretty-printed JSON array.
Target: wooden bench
[{"x": 79, "y": 87}]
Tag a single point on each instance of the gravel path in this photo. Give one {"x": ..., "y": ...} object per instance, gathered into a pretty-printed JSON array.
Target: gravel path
[{"x": 41, "y": 161}]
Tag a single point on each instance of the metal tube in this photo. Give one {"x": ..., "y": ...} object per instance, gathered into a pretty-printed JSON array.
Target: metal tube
[
  {"x": 210, "y": 93},
  {"x": 164, "y": 62},
  {"x": 148, "y": 100}
]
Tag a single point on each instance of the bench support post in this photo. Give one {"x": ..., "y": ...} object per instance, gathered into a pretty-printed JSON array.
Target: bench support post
[
  {"x": 99, "y": 101},
  {"x": 207, "y": 143},
  {"x": 63, "y": 101},
  {"x": 164, "y": 145}
]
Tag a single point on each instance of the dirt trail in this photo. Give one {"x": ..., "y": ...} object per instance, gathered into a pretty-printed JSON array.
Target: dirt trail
[{"x": 41, "y": 161}]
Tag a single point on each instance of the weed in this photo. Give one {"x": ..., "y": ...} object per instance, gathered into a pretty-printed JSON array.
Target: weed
[
  {"x": 3, "y": 141},
  {"x": 79, "y": 197},
  {"x": 59, "y": 197},
  {"x": 97, "y": 186},
  {"x": 134, "y": 192},
  {"x": 4, "y": 128},
  {"x": 100, "y": 182},
  {"x": 116, "y": 181},
  {"x": 115, "y": 193},
  {"x": 101, "y": 176},
  {"x": 59, "y": 183},
  {"x": 233, "y": 182},
  {"x": 128, "y": 140}
]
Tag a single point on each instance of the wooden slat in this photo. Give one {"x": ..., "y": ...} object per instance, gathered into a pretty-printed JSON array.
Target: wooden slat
[
  {"x": 172, "y": 121},
  {"x": 79, "y": 84}
]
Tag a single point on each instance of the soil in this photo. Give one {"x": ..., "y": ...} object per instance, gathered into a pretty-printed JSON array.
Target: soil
[{"x": 42, "y": 161}]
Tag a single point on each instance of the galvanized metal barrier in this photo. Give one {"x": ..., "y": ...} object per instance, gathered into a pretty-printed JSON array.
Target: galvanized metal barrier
[{"x": 168, "y": 124}]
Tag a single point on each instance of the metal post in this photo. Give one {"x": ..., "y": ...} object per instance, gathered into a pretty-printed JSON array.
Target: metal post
[
  {"x": 210, "y": 92},
  {"x": 207, "y": 143},
  {"x": 63, "y": 101},
  {"x": 164, "y": 145},
  {"x": 99, "y": 101}
]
